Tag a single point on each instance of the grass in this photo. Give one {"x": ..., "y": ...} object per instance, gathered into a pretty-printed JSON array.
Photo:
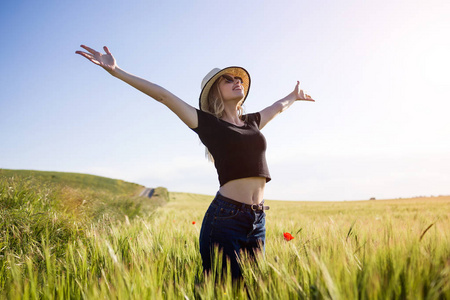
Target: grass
[{"x": 54, "y": 246}]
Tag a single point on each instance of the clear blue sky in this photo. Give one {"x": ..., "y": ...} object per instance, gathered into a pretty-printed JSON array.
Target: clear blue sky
[{"x": 378, "y": 69}]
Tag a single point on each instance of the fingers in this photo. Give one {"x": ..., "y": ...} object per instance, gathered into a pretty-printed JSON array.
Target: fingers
[
  {"x": 106, "y": 50},
  {"x": 88, "y": 56},
  {"x": 308, "y": 98},
  {"x": 302, "y": 94},
  {"x": 90, "y": 50},
  {"x": 84, "y": 54}
]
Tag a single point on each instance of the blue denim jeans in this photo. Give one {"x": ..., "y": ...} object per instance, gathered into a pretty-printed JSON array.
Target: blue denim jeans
[{"x": 232, "y": 227}]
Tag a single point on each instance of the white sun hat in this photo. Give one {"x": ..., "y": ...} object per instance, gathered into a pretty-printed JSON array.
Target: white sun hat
[{"x": 214, "y": 74}]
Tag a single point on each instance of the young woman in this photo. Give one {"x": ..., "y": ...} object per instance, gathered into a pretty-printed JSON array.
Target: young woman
[{"x": 235, "y": 220}]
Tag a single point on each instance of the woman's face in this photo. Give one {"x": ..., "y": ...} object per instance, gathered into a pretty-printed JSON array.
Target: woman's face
[{"x": 231, "y": 87}]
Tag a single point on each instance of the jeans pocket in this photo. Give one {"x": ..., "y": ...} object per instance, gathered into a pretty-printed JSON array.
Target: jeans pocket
[{"x": 224, "y": 213}]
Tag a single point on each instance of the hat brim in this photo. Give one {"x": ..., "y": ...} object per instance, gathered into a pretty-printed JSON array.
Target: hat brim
[{"x": 236, "y": 72}]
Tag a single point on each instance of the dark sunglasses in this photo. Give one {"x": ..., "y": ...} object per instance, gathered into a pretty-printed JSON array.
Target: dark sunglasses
[{"x": 230, "y": 79}]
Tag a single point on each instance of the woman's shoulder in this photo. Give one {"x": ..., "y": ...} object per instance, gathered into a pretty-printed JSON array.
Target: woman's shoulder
[
  {"x": 205, "y": 115},
  {"x": 206, "y": 120},
  {"x": 252, "y": 118}
]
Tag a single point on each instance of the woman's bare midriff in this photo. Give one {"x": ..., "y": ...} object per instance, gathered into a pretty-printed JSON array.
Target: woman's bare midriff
[{"x": 248, "y": 190}]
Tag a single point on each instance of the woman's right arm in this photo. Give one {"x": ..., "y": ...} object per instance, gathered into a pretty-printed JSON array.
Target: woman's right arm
[{"x": 184, "y": 111}]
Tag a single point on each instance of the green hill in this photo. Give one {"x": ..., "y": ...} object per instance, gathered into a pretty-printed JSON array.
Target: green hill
[
  {"x": 55, "y": 207},
  {"x": 75, "y": 180},
  {"x": 85, "y": 196}
]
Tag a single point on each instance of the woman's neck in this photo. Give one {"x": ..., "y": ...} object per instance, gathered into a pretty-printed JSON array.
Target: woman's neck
[{"x": 231, "y": 115}]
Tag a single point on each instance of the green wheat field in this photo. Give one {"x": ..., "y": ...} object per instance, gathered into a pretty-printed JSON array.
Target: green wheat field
[{"x": 76, "y": 236}]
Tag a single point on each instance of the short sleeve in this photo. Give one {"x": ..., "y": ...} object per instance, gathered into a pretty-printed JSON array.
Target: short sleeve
[
  {"x": 254, "y": 118},
  {"x": 205, "y": 122}
]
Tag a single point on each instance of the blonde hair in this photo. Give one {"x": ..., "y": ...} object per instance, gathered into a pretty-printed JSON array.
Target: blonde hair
[{"x": 216, "y": 107}]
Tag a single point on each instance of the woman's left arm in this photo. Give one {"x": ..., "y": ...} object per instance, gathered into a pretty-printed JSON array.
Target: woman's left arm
[{"x": 281, "y": 105}]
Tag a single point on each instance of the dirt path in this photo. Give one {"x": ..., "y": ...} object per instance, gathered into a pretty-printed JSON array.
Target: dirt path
[{"x": 147, "y": 192}]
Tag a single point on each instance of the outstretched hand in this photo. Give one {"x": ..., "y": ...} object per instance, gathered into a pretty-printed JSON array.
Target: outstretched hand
[
  {"x": 106, "y": 61},
  {"x": 300, "y": 94}
]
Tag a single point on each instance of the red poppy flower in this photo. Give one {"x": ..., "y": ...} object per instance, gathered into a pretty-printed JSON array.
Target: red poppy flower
[
  {"x": 193, "y": 222},
  {"x": 288, "y": 236}
]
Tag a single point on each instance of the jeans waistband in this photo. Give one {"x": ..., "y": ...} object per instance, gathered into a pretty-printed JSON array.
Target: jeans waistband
[{"x": 238, "y": 204}]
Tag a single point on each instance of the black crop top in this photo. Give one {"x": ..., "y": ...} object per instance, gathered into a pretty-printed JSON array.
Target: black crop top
[{"x": 238, "y": 152}]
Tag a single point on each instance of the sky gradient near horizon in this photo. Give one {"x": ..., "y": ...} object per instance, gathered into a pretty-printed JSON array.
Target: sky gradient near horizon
[{"x": 379, "y": 71}]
